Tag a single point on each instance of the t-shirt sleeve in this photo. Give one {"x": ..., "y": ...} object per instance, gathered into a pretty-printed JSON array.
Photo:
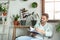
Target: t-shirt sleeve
[{"x": 49, "y": 31}]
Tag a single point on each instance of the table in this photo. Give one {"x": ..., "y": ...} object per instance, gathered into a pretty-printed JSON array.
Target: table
[{"x": 14, "y": 30}]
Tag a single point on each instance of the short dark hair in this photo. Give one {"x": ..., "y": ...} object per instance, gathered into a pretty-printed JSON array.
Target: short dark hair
[{"x": 45, "y": 14}]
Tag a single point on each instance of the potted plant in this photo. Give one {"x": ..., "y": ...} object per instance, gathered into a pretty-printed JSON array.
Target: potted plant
[
  {"x": 23, "y": 11},
  {"x": 16, "y": 22},
  {"x": 4, "y": 11},
  {"x": 34, "y": 4}
]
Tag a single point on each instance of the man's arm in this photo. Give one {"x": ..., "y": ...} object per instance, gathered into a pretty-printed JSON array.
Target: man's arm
[
  {"x": 40, "y": 31},
  {"x": 48, "y": 32}
]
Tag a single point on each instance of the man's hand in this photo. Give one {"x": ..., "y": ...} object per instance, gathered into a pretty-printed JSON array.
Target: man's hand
[{"x": 40, "y": 31}]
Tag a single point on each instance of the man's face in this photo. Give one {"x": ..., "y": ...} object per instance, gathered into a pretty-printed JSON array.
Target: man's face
[{"x": 44, "y": 19}]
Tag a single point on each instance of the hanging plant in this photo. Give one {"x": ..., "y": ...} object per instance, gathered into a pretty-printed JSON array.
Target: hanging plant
[
  {"x": 34, "y": 4},
  {"x": 24, "y": 0}
]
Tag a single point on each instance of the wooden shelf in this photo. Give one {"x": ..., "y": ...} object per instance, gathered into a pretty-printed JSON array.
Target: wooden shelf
[
  {"x": 14, "y": 30},
  {"x": 20, "y": 26}
]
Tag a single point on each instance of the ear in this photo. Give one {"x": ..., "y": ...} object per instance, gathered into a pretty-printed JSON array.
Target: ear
[{"x": 47, "y": 19}]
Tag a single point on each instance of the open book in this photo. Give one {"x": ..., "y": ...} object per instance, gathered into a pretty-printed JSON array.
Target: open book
[{"x": 32, "y": 30}]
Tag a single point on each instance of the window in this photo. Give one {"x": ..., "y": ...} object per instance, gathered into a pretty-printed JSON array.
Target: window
[{"x": 53, "y": 9}]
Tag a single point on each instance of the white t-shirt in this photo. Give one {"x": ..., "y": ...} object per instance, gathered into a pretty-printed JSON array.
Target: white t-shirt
[{"x": 47, "y": 28}]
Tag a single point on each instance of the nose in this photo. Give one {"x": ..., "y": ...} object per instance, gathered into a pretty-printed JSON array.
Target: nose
[{"x": 41, "y": 19}]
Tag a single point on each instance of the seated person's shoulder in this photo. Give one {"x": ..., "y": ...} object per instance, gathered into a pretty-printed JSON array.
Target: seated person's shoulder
[{"x": 49, "y": 25}]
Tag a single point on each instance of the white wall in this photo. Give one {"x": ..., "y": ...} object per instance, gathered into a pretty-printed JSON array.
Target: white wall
[{"x": 15, "y": 6}]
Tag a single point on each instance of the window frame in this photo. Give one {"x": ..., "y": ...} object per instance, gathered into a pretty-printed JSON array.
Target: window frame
[{"x": 43, "y": 11}]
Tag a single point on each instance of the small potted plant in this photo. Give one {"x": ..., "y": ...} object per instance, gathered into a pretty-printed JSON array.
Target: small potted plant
[
  {"x": 4, "y": 11},
  {"x": 34, "y": 4},
  {"x": 16, "y": 22}
]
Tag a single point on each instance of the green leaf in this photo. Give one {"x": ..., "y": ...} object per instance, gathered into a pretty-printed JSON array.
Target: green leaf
[
  {"x": 15, "y": 17},
  {"x": 0, "y": 7},
  {"x": 58, "y": 27}
]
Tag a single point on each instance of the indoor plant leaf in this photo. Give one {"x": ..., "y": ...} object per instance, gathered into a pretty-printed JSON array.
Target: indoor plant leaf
[{"x": 58, "y": 27}]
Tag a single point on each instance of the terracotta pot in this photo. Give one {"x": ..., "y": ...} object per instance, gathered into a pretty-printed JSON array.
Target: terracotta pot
[
  {"x": 4, "y": 14},
  {"x": 16, "y": 22}
]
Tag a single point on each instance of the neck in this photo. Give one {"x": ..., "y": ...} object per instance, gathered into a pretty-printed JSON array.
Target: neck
[{"x": 43, "y": 24}]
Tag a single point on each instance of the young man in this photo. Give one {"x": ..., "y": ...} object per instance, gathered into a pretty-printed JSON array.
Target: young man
[{"x": 43, "y": 29}]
